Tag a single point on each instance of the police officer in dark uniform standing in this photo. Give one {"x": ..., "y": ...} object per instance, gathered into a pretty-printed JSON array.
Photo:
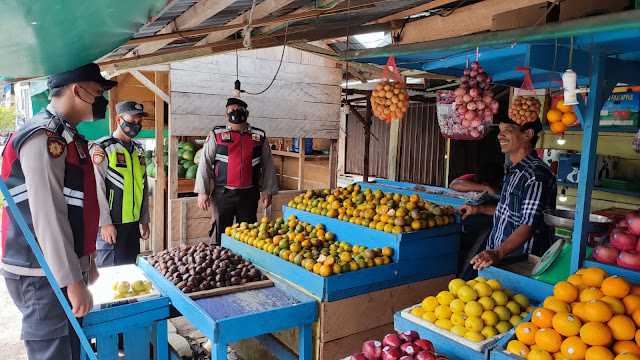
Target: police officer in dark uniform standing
[
  {"x": 238, "y": 158},
  {"x": 120, "y": 168},
  {"x": 47, "y": 169}
]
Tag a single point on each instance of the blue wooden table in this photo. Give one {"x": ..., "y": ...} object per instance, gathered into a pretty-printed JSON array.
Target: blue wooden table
[{"x": 246, "y": 314}]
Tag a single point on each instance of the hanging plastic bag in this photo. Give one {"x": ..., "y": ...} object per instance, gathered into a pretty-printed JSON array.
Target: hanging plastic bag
[
  {"x": 473, "y": 106},
  {"x": 525, "y": 107},
  {"x": 636, "y": 143},
  {"x": 390, "y": 100}
]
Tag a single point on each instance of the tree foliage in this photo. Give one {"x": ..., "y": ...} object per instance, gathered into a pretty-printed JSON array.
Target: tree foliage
[{"x": 7, "y": 118}]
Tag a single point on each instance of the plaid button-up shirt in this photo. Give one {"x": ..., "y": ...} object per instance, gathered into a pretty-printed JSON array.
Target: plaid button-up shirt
[{"x": 529, "y": 188}]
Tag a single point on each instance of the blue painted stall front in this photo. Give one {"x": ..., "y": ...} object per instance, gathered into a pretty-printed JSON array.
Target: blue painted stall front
[{"x": 246, "y": 314}]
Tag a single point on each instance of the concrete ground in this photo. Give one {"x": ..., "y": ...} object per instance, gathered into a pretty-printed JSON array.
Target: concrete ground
[{"x": 10, "y": 320}]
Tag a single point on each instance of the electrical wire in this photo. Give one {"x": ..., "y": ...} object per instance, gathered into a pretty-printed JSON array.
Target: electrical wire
[
  {"x": 284, "y": 47},
  {"x": 454, "y": 9}
]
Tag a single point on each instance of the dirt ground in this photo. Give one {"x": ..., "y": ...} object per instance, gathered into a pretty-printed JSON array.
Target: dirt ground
[{"x": 10, "y": 320}]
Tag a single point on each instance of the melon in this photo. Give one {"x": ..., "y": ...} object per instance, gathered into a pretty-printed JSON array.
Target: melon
[
  {"x": 191, "y": 172},
  {"x": 180, "y": 144},
  {"x": 151, "y": 170},
  {"x": 188, "y": 164},
  {"x": 189, "y": 146},
  {"x": 182, "y": 171},
  {"x": 180, "y": 153},
  {"x": 188, "y": 154}
]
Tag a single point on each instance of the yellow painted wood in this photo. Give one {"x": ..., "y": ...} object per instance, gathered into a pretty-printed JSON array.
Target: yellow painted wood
[
  {"x": 601, "y": 200},
  {"x": 609, "y": 143}
]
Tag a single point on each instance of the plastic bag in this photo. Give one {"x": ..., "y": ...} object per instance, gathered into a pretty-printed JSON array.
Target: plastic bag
[
  {"x": 525, "y": 106},
  {"x": 636, "y": 143},
  {"x": 471, "y": 105},
  {"x": 390, "y": 100}
]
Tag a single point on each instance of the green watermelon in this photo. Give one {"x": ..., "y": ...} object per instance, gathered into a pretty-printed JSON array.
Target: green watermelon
[
  {"x": 188, "y": 164},
  {"x": 196, "y": 157},
  {"x": 191, "y": 172},
  {"x": 166, "y": 159},
  {"x": 166, "y": 168},
  {"x": 188, "y": 154},
  {"x": 151, "y": 170},
  {"x": 180, "y": 152},
  {"x": 148, "y": 154},
  {"x": 189, "y": 146},
  {"x": 182, "y": 161},
  {"x": 180, "y": 144},
  {"x": 181, "y": 171},
  {"x": 148, "y": 161}
]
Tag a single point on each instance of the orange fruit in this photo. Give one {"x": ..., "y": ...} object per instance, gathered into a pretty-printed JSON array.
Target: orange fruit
[
  {"x": 578, "y": 310},
  {"x": 526, "y": 332},
  {"x": 573, "y": 348},
  {"x": 594, "y": 276},
  {"x": 596, "y": 334},
  {"x": 636, "y": 318},
  {"x": 622, "y": 327},
  {"x": 558, "y": 127},
  {"x": 591, "y": 293},
  {"x": 539, "y": 354},
  {"x": 627, "y": 356},
  {"x": 575, "y": 279},
  {"x": 557, "y": 305},
  {"x": 624, "y": 346},
  {"x": 569, "y": 118},
  {"x": 598, "y": 353},
  {"x": 554, "y": 115},
  {"x": 616, "y": 305},
  {"x": 562, "y": 107},
  {"x": 566, "y": 324},
  {"x": 565, "y": 291},
  {"x": 543, "y": 317},
  {"x": 598, "y": 310},
  {"x": 548, "y": 340},
  {"x": 635, "y": 290},
  {"x": 637, "y": 337},
  {"x": 631, "y": 303},
  {"x": 615, "y": 286},
  {"x": 518, "y": 348},
  {"x": 325, "y": 270}
]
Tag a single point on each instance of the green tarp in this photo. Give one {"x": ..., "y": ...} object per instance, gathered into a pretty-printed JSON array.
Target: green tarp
[{"x": 41, "y": 37}]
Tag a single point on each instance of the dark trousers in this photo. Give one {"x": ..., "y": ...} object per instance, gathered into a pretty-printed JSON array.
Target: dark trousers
[
  {"x": 124, "y": 251},
  {"x": 227, "y": 205},
  {"x": 46, "y": 330}
]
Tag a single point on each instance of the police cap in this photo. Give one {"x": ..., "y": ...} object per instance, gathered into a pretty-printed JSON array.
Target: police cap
[
  {"x": 131, "y": 108},
  {"x": 236, "y": 101},
  {"x": 88, "y": 72}
]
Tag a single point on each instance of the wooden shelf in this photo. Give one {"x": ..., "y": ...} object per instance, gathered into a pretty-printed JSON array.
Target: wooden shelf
[
  {"x": 297, "y": 155},
  {"x": 598, "y": 188},
  {"x": 619, "y": 129}
]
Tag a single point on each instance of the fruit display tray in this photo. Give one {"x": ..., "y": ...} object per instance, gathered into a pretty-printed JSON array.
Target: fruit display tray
[
  {"x": 499, "y": 352},
  {"x": 103, "y": 292},
  {"x": 404, "y": 188},
  {"x": 420, "y": 254}
]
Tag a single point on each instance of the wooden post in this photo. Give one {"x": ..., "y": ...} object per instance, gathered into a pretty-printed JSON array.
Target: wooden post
[
  {"x": 367, "y": 140},
  {"x": 158, "y": 196},
  {"x": 333, "y": 164},
  {"x": 394, "y": 141},
  {"x": 447, "y": 163},
  {"x": 342, "y": 141},
  {"x": 302, "y": 154},
  {"x": 112, "y": 110}
]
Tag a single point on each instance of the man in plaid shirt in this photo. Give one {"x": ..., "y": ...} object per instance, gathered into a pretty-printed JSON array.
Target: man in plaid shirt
[{"x": 529, "y": 189}]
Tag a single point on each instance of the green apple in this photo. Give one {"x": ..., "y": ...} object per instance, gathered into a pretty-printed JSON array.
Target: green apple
[
  {"x": 124, "y": 287},
  {"x": 147, "y": 284},
  {"x": 143, "y": 292},
  {"x": 137, "y": 285},
  {"x": 130, "y": 294}
]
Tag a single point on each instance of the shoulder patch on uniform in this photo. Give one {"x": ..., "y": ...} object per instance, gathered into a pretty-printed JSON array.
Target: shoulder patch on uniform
[
  {"x": 55, "y": 146},
  {"x": 208, "y": 137},
  {"x": 226, "y": 135},
  {"x": 255, "y": 137},
  {"x": 143, "y": 160},
  {"x": 98, "y": 155}
]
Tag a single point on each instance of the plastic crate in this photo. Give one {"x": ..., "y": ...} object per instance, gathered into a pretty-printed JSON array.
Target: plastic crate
[{"x": 621, "y": 184}]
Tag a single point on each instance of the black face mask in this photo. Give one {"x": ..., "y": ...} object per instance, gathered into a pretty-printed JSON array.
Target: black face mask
[
  {"x": 130, "y": 129},
  {"x": 99, "y": 106},
  {"x": 237, "y": 116}
]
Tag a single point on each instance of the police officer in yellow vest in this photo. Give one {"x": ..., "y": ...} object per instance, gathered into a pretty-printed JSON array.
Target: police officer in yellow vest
[{"x": 120, "y": 171}]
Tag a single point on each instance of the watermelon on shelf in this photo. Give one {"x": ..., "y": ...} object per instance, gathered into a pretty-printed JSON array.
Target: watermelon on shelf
[{"x": 191, "y": 172}]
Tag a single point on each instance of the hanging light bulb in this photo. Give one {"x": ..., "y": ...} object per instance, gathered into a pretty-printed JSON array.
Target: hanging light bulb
[
  {"x": 563, "y": 195},
  {"x": 561, "y": 140}
]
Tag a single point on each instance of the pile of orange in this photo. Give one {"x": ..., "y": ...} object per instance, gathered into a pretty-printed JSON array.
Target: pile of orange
[
  {"x": 591, "y": 316},
  {"x": 561, "y": 117}
]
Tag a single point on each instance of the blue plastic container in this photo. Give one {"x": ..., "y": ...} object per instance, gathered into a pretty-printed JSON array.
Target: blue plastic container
[{"x": 308, "y": 145}]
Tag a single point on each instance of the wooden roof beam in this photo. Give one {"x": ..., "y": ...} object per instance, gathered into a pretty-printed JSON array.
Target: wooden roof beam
[
  {"x": 327, "y": 4},
  {"x": 416, "y": 10}
]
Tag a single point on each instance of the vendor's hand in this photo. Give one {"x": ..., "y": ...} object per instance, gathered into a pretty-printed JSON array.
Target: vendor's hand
[
  {"x": 80, "y": 298},
  {"x": 485, "y": 259},
  {"x": 109, "y": 233},
  {"x": 266, "y": 201},
  {"x": 468, "y": 210},
  {"x": 144, "y": 231},
  {"x": 203, "y": 202},
  {"x": 93, "y": 273}
]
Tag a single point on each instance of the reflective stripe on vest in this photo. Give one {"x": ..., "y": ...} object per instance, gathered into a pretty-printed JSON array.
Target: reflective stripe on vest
[{"x": 124, "y": 182}]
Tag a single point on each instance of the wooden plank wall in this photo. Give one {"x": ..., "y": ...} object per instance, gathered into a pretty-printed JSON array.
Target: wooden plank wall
[
  {"x": 129, "y": 88},
  {"x": 316, "y": 173},
  {"x": 304, "y": 100}
]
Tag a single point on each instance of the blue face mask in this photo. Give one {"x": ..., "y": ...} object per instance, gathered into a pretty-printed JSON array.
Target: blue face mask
[{"x": 130, "y": 129}]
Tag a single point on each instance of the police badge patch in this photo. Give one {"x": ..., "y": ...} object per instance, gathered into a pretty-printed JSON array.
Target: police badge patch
[
  {"x": 98, "y": 155},
  {"x": 226, "y": 136},
  {"x": 143, "y": 162},
  {"x": 55, "y": 146},
  {"x": 255, "y": 137}
]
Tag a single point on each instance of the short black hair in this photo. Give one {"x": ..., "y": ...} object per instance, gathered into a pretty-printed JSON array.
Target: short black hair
[
  {"x": 534, "y": 138},
  {"x": 490, "y": 173},
  {"x": 58, "y": 91}
]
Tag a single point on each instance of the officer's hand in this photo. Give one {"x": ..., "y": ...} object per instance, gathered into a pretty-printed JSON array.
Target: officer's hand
[
  {"x": 203, "y": 202},
  {"x": 93, "y": 273},
  {"x": 80, "y": 298},
  {"x": 468, "y": 210},
  {"x": 109, "y": 233},
  {"x": 144, "y": 231},
  {"x": 266, "y": 201}
]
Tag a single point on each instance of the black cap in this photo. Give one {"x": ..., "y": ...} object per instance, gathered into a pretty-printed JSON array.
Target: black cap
[
  {"x": 131, "y": 108},
  {"x": 89, "y": 72},
  {"x": 536, "y": 125},
  {"x": 236, "y": 101}
]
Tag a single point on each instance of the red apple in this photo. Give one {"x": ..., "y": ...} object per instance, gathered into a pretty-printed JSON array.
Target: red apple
[
  {"x": 391, "y": 353},
  {"x": 442, "y": 357},
  {"x": 409, "y": 336},
  {"x": 633, "y": 222},
  {"x": 409, "y": 348},
  {"x": 622, "y": 224},
  {"x": 392, "y": 340},
  {"x": 407, "y": 358},
  {"x": 623, "y": 239},
  {"x": 372, "y": 349},
  {"x": 425, "y": 355},
  {"x": 424, "y": 344},
  {"x": 358, "y": 356}
]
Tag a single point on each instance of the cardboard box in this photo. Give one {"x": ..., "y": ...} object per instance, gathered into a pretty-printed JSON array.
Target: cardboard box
[
  {"x": 575, "y": 9},
  {"x": 621, "y": 109},
  {"x": 569, "y": 168},
  {"x": 526, "y": 16}
]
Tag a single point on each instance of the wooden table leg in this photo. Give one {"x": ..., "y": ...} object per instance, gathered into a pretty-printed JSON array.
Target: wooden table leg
[
  {"x": 304, "y": 342},
  {"x": 219, "y": 352}
]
